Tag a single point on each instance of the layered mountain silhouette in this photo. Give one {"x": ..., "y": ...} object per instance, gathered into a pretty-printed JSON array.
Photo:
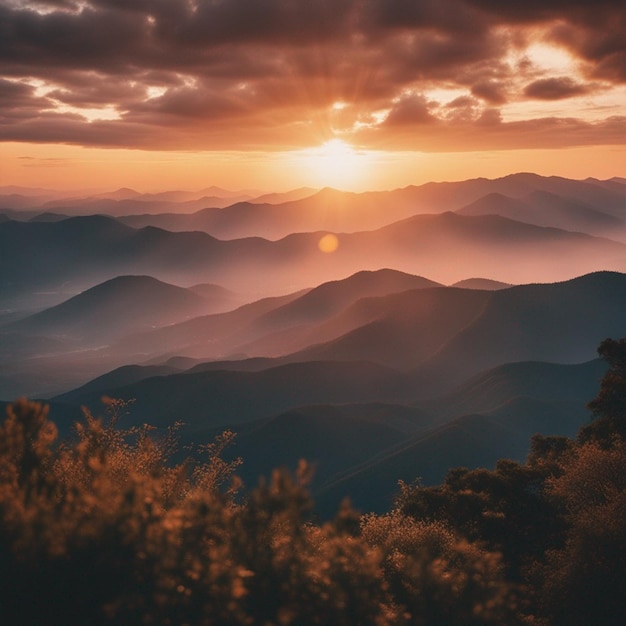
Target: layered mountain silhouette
[
  {"x": 481, "y": 283},
  {"x": 275, "y": 326},
  {"x": 547, "y": 209},
  {"x": 225, "y": 398},
  {"x": 84, "y": 251},
  {"x": 546, "y": 201},
  {"x": 222, "y": 309},
  {"x": 113, "y": 308},
  {"x": 449, "y": 334}
]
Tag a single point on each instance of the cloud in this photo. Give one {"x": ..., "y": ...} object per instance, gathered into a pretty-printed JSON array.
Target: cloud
[
  {"x": 593, "y": 30},
  {"x": 266, "y": 73},
  {"x": 410, "y": 110},
  {"x": 555, "y": 88},
  {"x": 491, "y": 91},
  {"x": 487, "y": 131}
]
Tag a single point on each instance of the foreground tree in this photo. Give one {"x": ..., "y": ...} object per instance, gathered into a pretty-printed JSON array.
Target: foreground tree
[
  {"x": 609, "y": 406},
  {"x": 106, "y": 530}
]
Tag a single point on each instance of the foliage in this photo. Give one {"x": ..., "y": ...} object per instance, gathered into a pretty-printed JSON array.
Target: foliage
[
  {"x": 581, "y": 583},
  {"x": 105, "y": 531},
  {"x": 438, "y": 578},
  {"x": 108, "y": 529},
  {"x": 609, "y": 406},
  {"x": 505, "y": 509},
  {"x": 559, "y": 520}
]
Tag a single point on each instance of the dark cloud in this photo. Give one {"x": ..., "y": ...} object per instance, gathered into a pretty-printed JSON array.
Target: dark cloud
[
  {"x": 540, "y": 10},
  {"x": 410, "y": 110},
  {"x": 18, "y": 101},
  {"x": 267, "y": 72},
  {"x": 600, "y": 43},
  {"x": 489, "y": 132},
  {"x": 555, "y": 88},
  {"x": 491, "y": 91},
  {"x": 593, "y": 30},
  {"x": 462, "y": 110}
]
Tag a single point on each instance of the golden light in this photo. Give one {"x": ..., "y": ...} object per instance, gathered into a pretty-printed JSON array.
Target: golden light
[
  {"x": 328, "y": 243},
  {"x": 335, "y": 164}
]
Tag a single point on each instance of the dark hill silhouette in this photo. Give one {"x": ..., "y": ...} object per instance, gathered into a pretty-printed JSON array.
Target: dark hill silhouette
[
  {"x": 36, "y": 254},
  {"x": 126, "y": 375},
  {"x": 561, "y": 322},
  {"x": 48, "y": 217},
  {"x": 124, "y": 202},
  {"x": 481, "y": 283},
  {"x": 287, "y": 196},
  {"x": 217, "y": 297},
  {"x": 329, "y": 298},
  {"x": 451, "y": 334},
  {"x": 492, "y": 388},
  {"x": 543, "y": 208},
  {"x": 296, "y": 324},
  {"x": 404, "y": 329},
  {"x": 414, "y": 328},
  {"x": 428, "y": 244},
  {"x": 225, "y": 398},
  {"x": 477, "y": 440},
  {"x": 447, "y": 247},
  {"x": 596, "y": 195},
  {"x": 339, "y": 211},
  {"x": 332, "y": 437},
  {"x": 204, "y": 331},
  {"x": 115, "y": 307},
  {"x": 123, "y": 193},
  {"x": 268, "y": 328}
]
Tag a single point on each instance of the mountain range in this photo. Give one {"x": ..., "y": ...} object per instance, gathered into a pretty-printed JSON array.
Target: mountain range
[{"x": 445, "y": 324}]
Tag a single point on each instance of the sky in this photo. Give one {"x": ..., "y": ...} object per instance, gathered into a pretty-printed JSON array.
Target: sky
[{"x": 277, "y": 94}]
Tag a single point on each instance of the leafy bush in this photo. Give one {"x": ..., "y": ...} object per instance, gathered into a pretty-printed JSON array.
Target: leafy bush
[{"x": 108, "y": 529}]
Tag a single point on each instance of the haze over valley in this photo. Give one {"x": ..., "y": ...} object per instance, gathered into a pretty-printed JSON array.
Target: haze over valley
[{"x": 381, "y": 335}]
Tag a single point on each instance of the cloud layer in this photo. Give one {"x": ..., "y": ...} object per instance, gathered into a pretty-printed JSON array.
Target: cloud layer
[{"x": 281, "y": 74}]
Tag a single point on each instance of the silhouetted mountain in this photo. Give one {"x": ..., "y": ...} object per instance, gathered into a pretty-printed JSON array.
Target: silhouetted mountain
[
  {"x": 547, "y": 209},
  {"x": 492, "y": 388},
  {"x": 125, "y": 201},
  {"x": 123, "y": 193},
  {"x": 332, "y": 437},
  {"x": 87, "y": 250},
  {"x": 274, "y": 326},
  {"x": 126, "y": 375},
  {"x": 112, "y": 308},
  {"x": 22, "y": 201},
  {"x": 562, "y": 322},
  {"x": 470, "y": 441},
  {"x": 225, "y": 398},
  {"x": 48, "y": 217},
  {"x": 203, "y": 332},
  {"x": 218, "y": 298},
  {"x": 481, "y": 283},
  {"x": 402, "y": 329},
  {"x": 451, "y": 247},
  {"x": 339, "y": 211},
  {"x": 287, "y": 196},
  {"x": 296, "y": 325},
  {"x": 451, "y": 334}
]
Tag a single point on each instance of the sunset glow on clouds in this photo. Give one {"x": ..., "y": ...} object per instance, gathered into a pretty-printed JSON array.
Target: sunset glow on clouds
[{"x": 275, "y": 76}]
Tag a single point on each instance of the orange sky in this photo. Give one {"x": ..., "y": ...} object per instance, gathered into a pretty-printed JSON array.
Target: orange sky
[{"x": 276, "y": 94}]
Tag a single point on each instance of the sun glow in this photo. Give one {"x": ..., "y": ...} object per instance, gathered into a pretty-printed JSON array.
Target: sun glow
[{"x": 335, "y": 164}]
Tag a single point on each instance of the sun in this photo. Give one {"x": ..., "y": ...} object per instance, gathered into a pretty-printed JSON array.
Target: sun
[{"x": 335, "y": 164}]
